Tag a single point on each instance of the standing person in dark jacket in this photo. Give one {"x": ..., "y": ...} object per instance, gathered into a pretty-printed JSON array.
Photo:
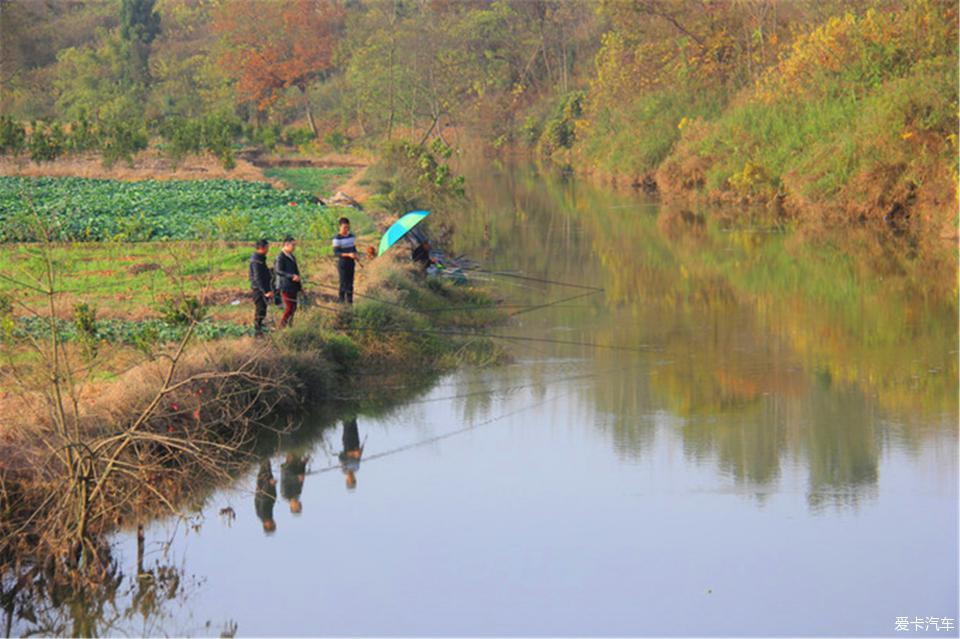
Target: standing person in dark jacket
[
  {"x": 260, "y": 284},
  {"x": 292, "y": 473},
  {"x": 289, "y": 274},
  {"x": 265, "y": 496},
  {"x": 345, "y": 248},
  {"x": 351, "y": 453}
]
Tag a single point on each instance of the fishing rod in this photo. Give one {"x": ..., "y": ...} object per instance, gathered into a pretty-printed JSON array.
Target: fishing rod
[
  {"x": 505, "y": 391},
  {"x": 436, "y": 438},
  {"x": 518, "y": 338},
  {"x": 525, "y": 308},
  {"x": 541, "y": 280},
  {"x": 489, "y": 307},
  {"x": 537, "y": 307}
]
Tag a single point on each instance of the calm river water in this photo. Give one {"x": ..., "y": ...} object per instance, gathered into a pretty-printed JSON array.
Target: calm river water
[{"x": 744, "y": 434}]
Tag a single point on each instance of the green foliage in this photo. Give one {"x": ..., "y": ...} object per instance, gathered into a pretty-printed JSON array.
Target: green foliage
[
  {"x": 298, "y": 136},
  {"x": 812, "y": 127},
  {"x": 337, "y": 348},
  {"x": 637, "y": 137},
  {"x": 47, "y": 143},
  {"x": 181, "y": 310},
  {"x": 559, "y": 130},
  {"x": 341, "y": 350},
  {"x": 83, "y": 135},
  {"x": 7, "y": 322},
  {"x": 13, "y": 136},
  {"x": 216, "y": 133},
  {"x": 337, "y": 141},
  {"x": 266, "y": 136},
  {"x": 138, "y": 21},
  {"x": 121, "y": 138},
  {"x": 85, "y": 324},
  {"x": 414, "y": 176},
  {"x": 319, "y": 180},
  {"x": 142, "y": 335},
  {"x": 85, "y": 209}
]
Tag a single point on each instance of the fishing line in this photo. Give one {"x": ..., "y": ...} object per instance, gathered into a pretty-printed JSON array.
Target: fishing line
[
  {"x": 541, "y": 280},
  {"x": 537, "y": 307},
  {"x": 480, "y": 307},
  {"x": 517, "y": 338},
  {"x": 436, "y": 438},
  {"x": 506, "y": 390}
]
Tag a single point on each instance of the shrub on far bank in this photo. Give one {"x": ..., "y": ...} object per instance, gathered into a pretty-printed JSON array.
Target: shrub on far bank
[{"x": 859, "y": 117}]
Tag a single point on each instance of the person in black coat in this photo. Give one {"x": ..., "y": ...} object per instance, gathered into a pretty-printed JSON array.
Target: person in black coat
[
  {"x": 292, "y": 473},
  {"x": 265, "y": 497},
  {"x": 289, "y": 274},
  {"x": 351, "y": 453},
  {"x": 260, "y": 284}
]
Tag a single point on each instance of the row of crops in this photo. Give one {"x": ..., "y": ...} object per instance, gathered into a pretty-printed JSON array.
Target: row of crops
[
  {"x": 86, "y": 209},
  {"x": 129, "y": 332}
]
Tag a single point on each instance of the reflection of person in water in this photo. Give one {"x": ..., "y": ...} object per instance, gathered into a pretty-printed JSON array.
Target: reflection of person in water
[
  {"x": 292, "y": 472},
  {"x": 266, "y": 496},
  {"x": 352, "y": 451}
]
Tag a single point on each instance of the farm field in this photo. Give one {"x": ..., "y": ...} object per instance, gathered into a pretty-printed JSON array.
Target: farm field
[
  {"x": 129, "y": 251},
  {"x": 86, "y": 209}
]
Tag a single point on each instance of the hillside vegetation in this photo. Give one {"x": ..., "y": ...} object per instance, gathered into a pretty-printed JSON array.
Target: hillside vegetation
[{"x": 835, "y": 111}]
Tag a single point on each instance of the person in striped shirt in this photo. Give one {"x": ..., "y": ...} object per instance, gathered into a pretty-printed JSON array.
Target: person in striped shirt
[{"x": 345, "y": 249}]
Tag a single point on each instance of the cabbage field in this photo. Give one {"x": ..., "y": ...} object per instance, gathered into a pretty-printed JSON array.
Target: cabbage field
[{"x": 87, "y": 209}]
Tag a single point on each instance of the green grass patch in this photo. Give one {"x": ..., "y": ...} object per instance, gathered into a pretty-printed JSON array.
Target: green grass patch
[{"x": 317, "y": 180}]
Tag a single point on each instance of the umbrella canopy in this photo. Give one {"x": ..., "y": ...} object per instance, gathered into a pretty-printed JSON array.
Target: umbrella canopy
[{"x": 400, "y": 228}]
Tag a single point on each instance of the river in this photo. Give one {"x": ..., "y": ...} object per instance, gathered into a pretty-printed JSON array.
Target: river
[{"x": 744, "y": 433}]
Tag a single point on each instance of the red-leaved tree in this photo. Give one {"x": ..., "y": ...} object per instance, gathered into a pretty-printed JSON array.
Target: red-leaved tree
[{"x": 270, "y": 46}]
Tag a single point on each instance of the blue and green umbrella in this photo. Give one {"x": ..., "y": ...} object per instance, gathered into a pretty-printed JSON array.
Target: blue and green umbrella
[{"x": 400, "y": 228}]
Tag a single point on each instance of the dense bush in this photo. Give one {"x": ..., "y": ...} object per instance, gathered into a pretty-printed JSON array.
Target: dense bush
[
  {"x": 13, "y": 137},
  {"x": 559, "y": 129},
  {"x": 411, "y": 176},
  {"x": 216, "y": 133},
  {"x": 46, "y": 143},
  {"x": 858, "y": 95}
]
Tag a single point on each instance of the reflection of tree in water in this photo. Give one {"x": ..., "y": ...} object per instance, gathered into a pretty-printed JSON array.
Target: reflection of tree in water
[
  {"x": 842, "y": 447},
  {"x": 143, "y": 603},
  {"x": 743, "y": 327}
]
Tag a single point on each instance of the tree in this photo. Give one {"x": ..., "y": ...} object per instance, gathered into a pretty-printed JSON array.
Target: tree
[
  {"x": 270, "y": 47},
  {"x": 99, "y": 83},
  {"x": 139, "y": 25}
]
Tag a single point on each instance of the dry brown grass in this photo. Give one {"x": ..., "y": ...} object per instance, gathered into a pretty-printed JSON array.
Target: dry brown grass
[{"x": 148, "y": 165}]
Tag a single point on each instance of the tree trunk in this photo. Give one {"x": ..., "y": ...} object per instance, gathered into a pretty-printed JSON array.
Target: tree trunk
[{"x": 309, "y": 110}]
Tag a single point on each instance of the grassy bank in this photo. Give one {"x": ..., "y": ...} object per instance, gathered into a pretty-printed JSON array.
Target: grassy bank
[
  {"x": 857, "y": 121},
  {"x": 850, "y": 119},
  {"x": 127, "y": 376},
  {"x": 198, "y": 409}
]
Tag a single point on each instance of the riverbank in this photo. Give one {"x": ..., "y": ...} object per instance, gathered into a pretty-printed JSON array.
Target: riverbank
[
  {"x": 850, "y": 121},
  {"x": 199, "y": 410}
]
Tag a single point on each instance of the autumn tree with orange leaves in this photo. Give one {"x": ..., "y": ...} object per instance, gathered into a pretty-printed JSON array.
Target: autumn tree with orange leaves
[{"x": 272, "y": 46}]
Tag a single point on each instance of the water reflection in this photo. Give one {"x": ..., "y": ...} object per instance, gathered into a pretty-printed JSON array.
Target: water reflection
[
  {"x": 265, "y": 497},
  {"x": 761, "y": 394},
  {"x": 144, "y": 602},
  {"x": 351, "y": 453},
  {"x": 768, "y": 346},
  {"x": 292, "y": 474}
]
